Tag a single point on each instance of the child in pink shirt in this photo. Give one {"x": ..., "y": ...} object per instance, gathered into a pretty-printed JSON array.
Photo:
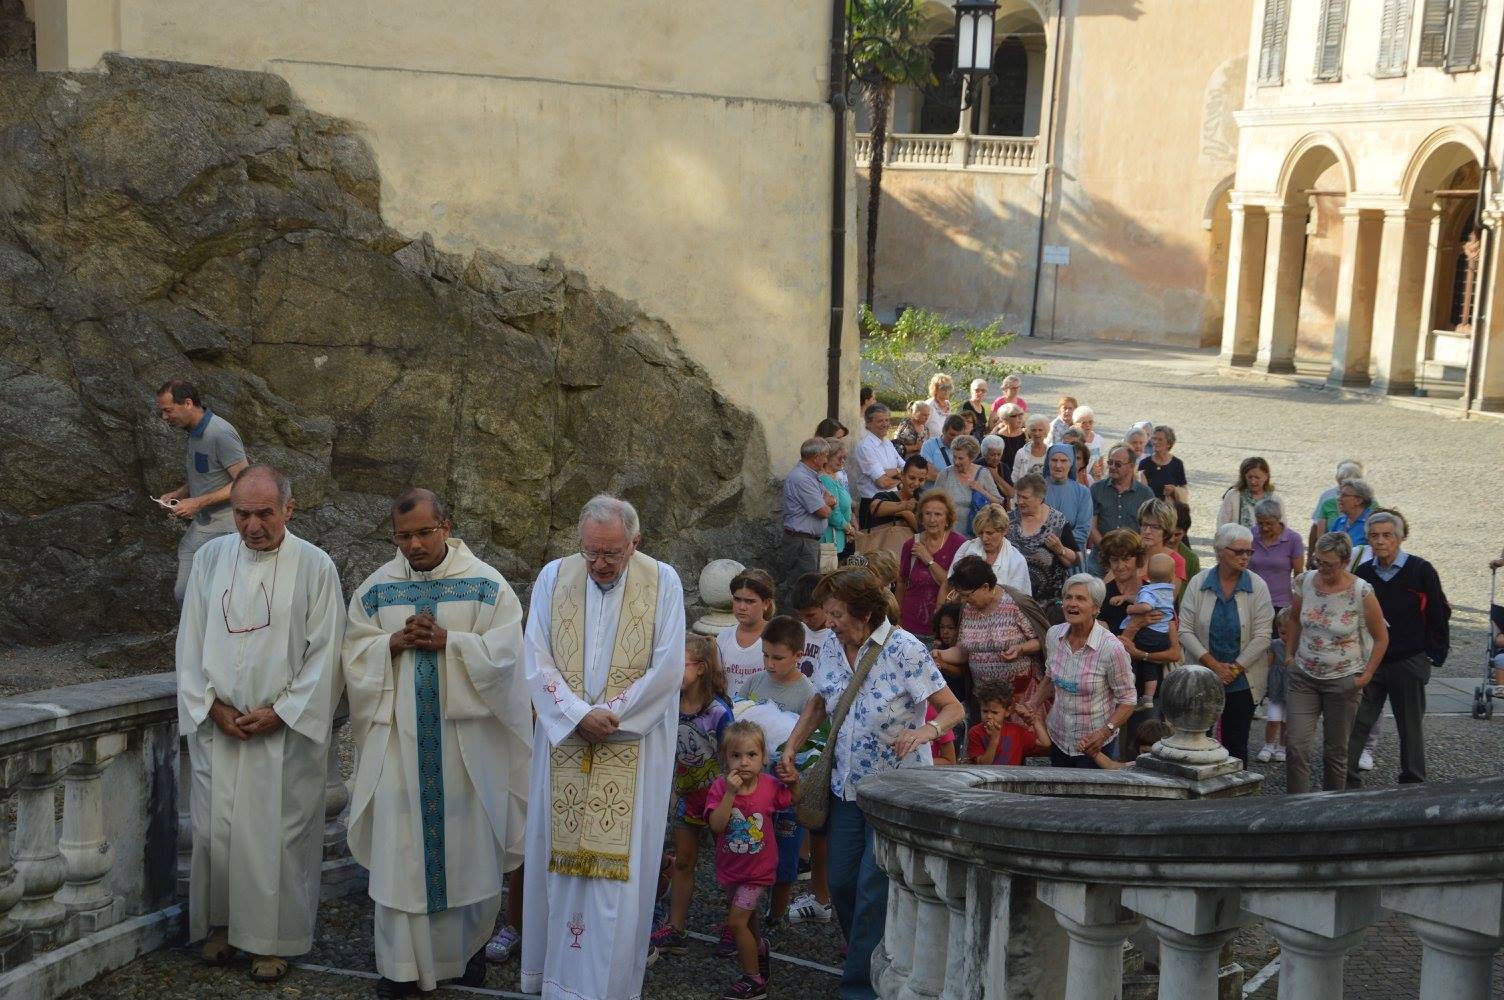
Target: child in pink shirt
[{"x": 746, "y": 854}]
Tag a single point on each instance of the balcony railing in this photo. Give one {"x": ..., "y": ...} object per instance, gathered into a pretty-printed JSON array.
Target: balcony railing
[
  {"x": 997, "y": 153},
  {"x": 105, "y": 884}
]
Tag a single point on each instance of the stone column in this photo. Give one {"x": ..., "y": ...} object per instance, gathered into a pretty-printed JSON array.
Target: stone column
[
  {"x": 185, "y": 817},
  {"x": 1192, "y": 926},
  {"x": 898, "y": 932},
  {"x": 1461, "y": 928},
  {"x": 952, "y": 885},
  {"x": 1245, "y": 284},
  {"x": 1490, "y": 378},
  {"x": 1399, "y": 292},
  {"x": 87, "y": 853},
  {"x": 1357, "y": 281},
  {"x": 1315, "y": 929},
  {"x": 15, "y": 946},
  {"x": 75, "y": 34},
  {"x": 931, "y": 930},
  {"x": 38, "y": 861},
  {"x": 1097, "y": 925},
  {"x": 1279, "y": 313}
]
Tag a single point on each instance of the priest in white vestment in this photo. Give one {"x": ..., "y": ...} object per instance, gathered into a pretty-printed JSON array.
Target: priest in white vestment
[
  {"x": 258, "y": 677},
  {"x": 605, "y": 657},
  {"x": 443, "y": 732}
]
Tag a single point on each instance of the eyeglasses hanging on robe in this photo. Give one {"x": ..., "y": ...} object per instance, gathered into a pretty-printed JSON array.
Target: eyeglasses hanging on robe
[{"x": 225, "y": 598}]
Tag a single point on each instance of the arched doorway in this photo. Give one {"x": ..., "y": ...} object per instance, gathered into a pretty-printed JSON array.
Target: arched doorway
[{"x": 1452, "y": 311}]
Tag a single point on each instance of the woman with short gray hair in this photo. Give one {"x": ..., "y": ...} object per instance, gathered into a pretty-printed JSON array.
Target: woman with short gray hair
[
  {"x": 1226, "y": 622},
  {"x": 1090, "y": 675},
  {"x": 965, "y": 478},
  {"x": 1032, "y": 456},
  {"x": 1337, "y": 633},
  {"x": 840, "y": 529}
]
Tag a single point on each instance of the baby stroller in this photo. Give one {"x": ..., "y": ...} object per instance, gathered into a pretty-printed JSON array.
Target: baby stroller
[{"x": 1485, "y": 693}]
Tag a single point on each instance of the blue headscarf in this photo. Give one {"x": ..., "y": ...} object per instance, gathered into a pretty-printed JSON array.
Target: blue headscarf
[{"x": 1070, "y": 498}]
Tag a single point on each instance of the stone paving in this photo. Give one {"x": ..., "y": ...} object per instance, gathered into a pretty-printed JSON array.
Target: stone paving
[{"x": 1441, "y": 472}]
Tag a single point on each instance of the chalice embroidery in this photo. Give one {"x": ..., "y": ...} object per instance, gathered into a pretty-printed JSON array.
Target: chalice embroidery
[{"x": 576, "y": 927}]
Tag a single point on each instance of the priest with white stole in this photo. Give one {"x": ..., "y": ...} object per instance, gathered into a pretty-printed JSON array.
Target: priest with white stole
[
  {"x": 443, "y": 733},
  {"x": 605, "y": 658},
  {"x": 258, "y": 677}
]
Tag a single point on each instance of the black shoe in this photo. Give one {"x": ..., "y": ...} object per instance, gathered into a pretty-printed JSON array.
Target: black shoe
[
  {"x": 475, "y": 970},
  {"x": 391, "y": 988}
]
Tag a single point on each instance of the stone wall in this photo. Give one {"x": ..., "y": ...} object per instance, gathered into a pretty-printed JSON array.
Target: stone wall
[{"x": 162, "y": 220}]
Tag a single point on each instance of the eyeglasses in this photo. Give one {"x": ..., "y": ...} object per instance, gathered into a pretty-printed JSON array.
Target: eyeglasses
[
  {"x": 225, "y": 598},
  {"x": 1117, "y": 465},
  {"x": 422, "y": 534},
  {"x": 603, "y": 555},
  {"x": 1240, "y": 553}
]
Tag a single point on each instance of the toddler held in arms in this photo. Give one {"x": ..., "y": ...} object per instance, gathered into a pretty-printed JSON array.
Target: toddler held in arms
[{"x": 1158, "y": 595}]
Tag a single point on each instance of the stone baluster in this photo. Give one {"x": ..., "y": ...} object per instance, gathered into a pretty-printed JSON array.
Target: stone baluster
[
  {"x": 37, "y": 859},
  {"x": 931, "y": 929},
  {"x": 1315, "y": 929},
  {"x": 1192, "y": 926},
  {"x": 1461, "y": 927},
  {"x": 185, "y": 817},
  {"x": 898, "y": 931},
  {"x": 965, "y": 952},
  {"x": 87, "y": 853},
  {"x": 336, "y": 798},
  {"x": 1097, "y": 925},
  {"x": 15, "y": 946}
]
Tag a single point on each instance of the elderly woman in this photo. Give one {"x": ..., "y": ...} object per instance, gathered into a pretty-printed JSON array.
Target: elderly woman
[
  {"x": 915, "y": 430},
  {"x": 1066, "y": 494},
  {"x": 884, "y": 730},
  {"x": 1226, "y": 622},
  {"x": 1279, "y": 555},
  {"x": 1156, "y": 527},
  {"x": 1254, "y": 484},
  {"x": 840, "y": 530},
  {"x": 1337, "y": 630},
  {"x": 993, "y": 459},
  {"x": 1355, "y": 501},
  {"x": 1011, "y": 385},
  {"x": 964, "y": 479},
  {"x": 1044, "y": 538},
  {"x": 1031, "y": 456},
  {"x": 1002, "y": 629},
  {"x": 1088, "y": 671},
  {"x": 976, "y": 407},
  {"x": 925, "y": 561},
  {"x": 1085, "y": 420},
  {"x": 1008, "y": 424},
  {"x": 1123, "y": 556},
  {"x": 941, "y": 387},
  {"x": 1161, "y": 471},
  {"x": 991, "y": 525}
]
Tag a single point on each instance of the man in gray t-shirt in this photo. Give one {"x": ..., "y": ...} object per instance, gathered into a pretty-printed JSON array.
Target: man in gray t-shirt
[{"x": 215, "y": 457}]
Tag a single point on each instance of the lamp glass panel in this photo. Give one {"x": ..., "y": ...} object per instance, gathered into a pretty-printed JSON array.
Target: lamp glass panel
[{"x": 966, "y": 38}]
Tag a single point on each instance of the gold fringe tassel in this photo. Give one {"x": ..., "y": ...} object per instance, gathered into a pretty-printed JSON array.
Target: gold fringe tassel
[{"x": 589, "y": 864}]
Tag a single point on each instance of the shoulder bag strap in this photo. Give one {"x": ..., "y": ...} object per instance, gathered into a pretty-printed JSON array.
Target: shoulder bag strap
[{"x": 858, "y": 678}]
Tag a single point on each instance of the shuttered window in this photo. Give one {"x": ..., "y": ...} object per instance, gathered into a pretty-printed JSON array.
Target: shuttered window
[
  {"x": 1329, "y": 39},
  {"x": 1272, "y": 42},
  {"x": 1434, "y": 19},
  {"x": 1467, "y": 26},
  {"x": 1394, "y": 37}
]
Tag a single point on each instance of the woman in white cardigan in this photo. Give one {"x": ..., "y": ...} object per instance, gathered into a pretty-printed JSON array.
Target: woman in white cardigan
[
  {"x": 1226, "y": 622},
  {"x": 991, "y": 543}
]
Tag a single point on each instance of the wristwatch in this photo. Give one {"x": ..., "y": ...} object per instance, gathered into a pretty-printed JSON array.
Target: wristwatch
[{"x": 1112, "y": 728}]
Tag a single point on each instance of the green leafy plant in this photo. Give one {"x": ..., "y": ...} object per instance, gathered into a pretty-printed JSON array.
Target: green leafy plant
[{"x": 898, "y": 360}]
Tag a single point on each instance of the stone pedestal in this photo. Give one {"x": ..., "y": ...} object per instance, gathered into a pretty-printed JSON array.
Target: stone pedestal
[{"x": 715, "y": 591}]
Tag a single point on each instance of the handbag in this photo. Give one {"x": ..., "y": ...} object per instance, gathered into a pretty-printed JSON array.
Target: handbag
[
  {"x": 813, "y": 808},
  {"x": 829, "y": 557},
  {"x": 889, "y": 536}
]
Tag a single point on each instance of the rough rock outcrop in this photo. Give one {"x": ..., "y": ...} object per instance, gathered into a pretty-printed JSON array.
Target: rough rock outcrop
[{"x": 162, "y": 220}]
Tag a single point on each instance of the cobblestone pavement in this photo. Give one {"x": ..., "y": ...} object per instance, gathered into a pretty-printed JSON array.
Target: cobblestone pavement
[{"x": 1441, "y": 472}]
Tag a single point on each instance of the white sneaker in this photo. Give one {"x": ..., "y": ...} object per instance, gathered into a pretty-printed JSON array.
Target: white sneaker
[
  {"x": 808, "y": 909},
  {"x": 1265, "y": 754},
  {"x": 1279, "y": 754},
  {"x": 1365, "y": 761}
]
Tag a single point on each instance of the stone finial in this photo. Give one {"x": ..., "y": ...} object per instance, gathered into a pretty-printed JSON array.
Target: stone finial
[
  {"x": 715, "y": 591},
  {"x": 1191, "y": 699}
]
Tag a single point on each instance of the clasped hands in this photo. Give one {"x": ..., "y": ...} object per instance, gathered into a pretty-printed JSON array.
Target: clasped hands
[
  {"x": 598, "y": 725},
  {"x": 419, "y": 632},
  {"x": 243, "y": 725}
]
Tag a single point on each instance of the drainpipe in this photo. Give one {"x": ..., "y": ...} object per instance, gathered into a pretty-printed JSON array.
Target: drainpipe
[
  {"x": 837, "y": 206},
  {"x": 1483, "y": 315},
  {"x": 1049, "y": 166}
]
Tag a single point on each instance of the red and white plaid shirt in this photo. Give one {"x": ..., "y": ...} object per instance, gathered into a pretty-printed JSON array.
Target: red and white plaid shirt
[{"x": 1089, "y": 685}]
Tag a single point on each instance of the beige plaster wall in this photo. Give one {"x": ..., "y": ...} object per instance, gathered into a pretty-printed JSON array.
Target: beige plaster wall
[{"x": 678, "y": 158}]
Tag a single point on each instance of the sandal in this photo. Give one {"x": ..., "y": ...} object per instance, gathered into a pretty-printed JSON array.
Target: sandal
[
  {"x": 217, "y": 949},
  {"x": 268, "y": 968}
]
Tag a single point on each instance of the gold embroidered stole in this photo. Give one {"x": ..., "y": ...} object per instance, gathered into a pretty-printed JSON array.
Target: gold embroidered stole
[{"x": 593, "y": 785}]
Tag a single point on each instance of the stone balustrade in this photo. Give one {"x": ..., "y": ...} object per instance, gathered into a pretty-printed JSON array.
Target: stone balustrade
[
  {"x": 91, "y": 894},
  {"x": 996, "y": 153},
  {"x": 1026, "y": 882}
]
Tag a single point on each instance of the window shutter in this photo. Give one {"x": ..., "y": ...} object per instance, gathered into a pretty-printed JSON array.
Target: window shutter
[
  {"x": 1329, "y": 39},
  {"x": 1272, "y": 42},
  {"x": 1467, "y": 25},
  {"x": 1434, "y": 20},
  {"x": 1394, "y": 37}
]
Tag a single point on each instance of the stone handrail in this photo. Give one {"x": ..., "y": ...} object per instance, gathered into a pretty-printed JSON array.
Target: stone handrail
[
  {"x": 994, "y": 153},
  {"x": 105, "y": 884},
  {"x": 988, "y": 866}
]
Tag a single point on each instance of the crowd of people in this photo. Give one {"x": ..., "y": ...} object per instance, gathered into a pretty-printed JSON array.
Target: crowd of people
[{"x": 984, "y": 585}]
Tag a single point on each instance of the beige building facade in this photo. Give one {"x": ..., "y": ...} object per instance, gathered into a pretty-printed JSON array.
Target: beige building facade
[
  {"x": 680, "y": 159},
  {"x": 1355, "y": 243}
]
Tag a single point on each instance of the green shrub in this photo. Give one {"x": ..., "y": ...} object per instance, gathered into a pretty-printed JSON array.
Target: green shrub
[{"x": 897, "y": 361}]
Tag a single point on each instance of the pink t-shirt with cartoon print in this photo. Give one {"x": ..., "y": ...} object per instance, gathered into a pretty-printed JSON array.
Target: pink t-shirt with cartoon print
[{"x": 746, "y": 853}]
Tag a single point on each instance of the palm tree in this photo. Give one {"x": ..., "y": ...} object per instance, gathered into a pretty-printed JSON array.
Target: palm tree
[{"x": 885, "y": 54}]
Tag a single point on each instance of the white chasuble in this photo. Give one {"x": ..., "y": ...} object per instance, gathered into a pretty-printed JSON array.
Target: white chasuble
[
  {"x": 259, "y": 629},
  {"x": 438, "y": 800},
  {"x": 589, "y": 906}
]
